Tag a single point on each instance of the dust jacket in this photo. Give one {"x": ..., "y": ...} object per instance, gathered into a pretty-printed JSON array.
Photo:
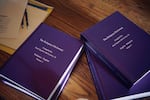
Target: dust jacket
[
  {"x": 43, "y": 63},
  {"x": 122, "y": 46},
  {"x": 109, "y": 88}
]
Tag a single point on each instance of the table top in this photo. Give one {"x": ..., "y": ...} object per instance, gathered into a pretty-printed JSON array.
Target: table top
[{"x": 74, "y": 17}]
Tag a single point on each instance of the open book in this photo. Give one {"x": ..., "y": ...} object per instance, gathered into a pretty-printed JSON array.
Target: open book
[
  {"x": 9, "y": 20},
  {"x": 37, "y": 13}
]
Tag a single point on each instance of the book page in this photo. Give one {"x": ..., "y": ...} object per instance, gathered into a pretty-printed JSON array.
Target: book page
[
  {"x": 36, "y": 16},
  {"x": 11, "y": 13}
]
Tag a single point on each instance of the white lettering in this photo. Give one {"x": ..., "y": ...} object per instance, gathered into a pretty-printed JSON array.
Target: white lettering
[
  {"x": 121, "y": 40},
  {"x": 114, "y": 33},
  {"x": 51, "y": 45}
]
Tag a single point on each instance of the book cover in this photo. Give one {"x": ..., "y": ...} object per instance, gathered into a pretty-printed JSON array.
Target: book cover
[
  {"x": 43, "y": 63},
  {"x": 122, "y": 46},
  {"x": 96, "y": 80},
  {"x": 108, "y": 87}
]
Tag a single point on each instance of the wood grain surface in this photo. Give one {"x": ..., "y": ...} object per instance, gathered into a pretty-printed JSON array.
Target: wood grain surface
[{"x": 74, "y": 17}]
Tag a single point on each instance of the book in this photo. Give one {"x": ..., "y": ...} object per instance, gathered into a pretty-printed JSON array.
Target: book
[
  {"x": 41, "y": 66},
  {"x": 109, "y": 88},
  {"x": 10, "y": 21},
  {"x": 37, "y": 13},
  {"x": 96, "y": 80},
  {"x": 122, "y": 46}
]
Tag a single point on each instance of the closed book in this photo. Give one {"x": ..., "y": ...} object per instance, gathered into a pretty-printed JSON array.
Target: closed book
[
  {"x": 122, "y": 46},
  {"x": 94, "y": 73},
  {"x": 43, "y": 63},
  {"x": 108, "y": 87}
]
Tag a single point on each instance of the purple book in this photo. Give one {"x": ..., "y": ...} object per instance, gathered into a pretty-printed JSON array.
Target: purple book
[
  {"x": 108, "y": 87},
  {"x": 122, "y": 46},
  {"x": 43, "y": 64}
]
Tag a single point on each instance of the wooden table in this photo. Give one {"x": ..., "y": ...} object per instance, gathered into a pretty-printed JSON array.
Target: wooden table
[{"x": 74, "y": 17}]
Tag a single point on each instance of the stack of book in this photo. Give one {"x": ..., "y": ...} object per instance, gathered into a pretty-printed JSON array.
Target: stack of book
[{"x": 118, "y": 53}]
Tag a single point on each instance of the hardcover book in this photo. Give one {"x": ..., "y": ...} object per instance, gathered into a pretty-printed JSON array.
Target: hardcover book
[
  {"x": 122, "y": 46},
  {"x": 43, "y": 63},
  {"x": 108, "y": 87}
]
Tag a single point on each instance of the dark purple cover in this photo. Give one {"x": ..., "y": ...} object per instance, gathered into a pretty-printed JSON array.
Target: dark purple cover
[
  {"x": 109, "y": 87},
  {"x": 96, "y": 79},
  {"x": 41, "y": 61},
  {"x": 121, "y": 44}
]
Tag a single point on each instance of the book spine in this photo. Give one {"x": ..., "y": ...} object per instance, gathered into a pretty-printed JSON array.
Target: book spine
[
  {"x": 121, "y": 78},
  {"x": 97, "y": 81}
]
